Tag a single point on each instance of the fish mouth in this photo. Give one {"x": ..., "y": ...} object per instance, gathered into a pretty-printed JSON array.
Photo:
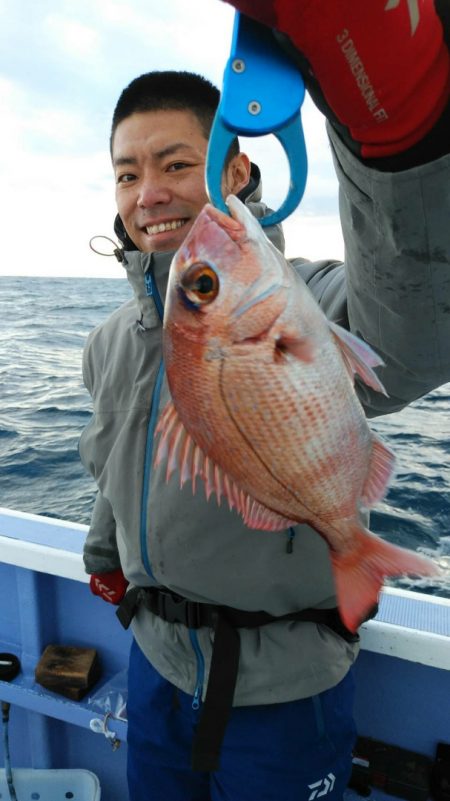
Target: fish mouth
[
  {"x": 239, "y": 226},
  {"x": 230, "y": 225},
  {"x": 240, "y": 219},
  {"x": 243, "y": 217}
]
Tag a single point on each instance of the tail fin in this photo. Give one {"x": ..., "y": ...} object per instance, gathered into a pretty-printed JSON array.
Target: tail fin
[{"x": 359, "y": 573}]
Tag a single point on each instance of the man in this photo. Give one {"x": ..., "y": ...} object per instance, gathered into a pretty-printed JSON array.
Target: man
[{"x": 291, "y": 688}]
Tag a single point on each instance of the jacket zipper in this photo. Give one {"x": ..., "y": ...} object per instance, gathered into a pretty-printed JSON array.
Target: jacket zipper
[
  {"x": 148, "y": 467},
  {"x": 197, "y": 699},
  {"x": 152, "y": 291}
]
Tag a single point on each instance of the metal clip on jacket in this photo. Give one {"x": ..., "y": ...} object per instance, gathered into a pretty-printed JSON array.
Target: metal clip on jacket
[{"x": 262, "y": 93}]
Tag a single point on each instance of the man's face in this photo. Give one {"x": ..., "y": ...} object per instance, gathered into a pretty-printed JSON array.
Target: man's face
[{"x": 159, "y": 165}]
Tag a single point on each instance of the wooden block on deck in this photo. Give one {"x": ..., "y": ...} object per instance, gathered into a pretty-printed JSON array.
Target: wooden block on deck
[{"x": 68, "y": 670}]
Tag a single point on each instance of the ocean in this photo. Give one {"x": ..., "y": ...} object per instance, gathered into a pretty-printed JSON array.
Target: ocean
[{"x": 44, "y": 407}]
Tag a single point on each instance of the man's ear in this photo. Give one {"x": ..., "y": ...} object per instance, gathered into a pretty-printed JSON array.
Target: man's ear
[{"x": 236, "y": 175}]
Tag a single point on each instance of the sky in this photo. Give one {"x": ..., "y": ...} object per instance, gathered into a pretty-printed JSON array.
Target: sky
[{"x": 63, "y": 64}]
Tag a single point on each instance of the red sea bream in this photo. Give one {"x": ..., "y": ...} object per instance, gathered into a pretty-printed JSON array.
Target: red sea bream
[{"x": 263, "y": 406}]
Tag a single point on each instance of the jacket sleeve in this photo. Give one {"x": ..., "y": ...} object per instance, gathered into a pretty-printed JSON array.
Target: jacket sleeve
[
  {"x": 394, "y": 289},
  {"x": 100, "y": 553}
]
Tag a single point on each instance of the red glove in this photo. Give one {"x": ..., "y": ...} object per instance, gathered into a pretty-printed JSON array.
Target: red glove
[
  {"x": 382, "y": 66},
  {"x": 110, "y": 586}
]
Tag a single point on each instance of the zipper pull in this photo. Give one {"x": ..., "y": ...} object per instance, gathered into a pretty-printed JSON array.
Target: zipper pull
[
  {"x": 148, "y": 284},
  {"x": 197, "y": 697},
  {"x": 290, "y": 542}
]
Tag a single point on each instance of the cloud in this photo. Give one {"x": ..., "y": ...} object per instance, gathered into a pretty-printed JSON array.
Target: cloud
[
  {"x": 55, "y": 199},
  {"x": 313, "y": 237},
  {"x": 74, "y": 39},
  {"x": 175, "y": 35}
]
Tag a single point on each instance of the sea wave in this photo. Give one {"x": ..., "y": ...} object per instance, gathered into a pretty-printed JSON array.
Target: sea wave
[{"x": 45, "y": 407}]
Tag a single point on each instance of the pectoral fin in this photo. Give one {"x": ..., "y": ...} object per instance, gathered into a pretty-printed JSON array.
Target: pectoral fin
[{"x": 358, "y": 357}]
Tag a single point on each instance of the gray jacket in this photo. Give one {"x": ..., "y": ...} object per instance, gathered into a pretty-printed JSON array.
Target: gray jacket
[{"x": 393, "y": 291}]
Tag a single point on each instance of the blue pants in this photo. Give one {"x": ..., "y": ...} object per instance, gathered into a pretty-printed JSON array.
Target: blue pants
[{"x": 296, "y": 751}]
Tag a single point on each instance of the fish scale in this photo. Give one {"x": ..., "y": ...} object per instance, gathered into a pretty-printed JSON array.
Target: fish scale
[{"x": 321, "y": 450}]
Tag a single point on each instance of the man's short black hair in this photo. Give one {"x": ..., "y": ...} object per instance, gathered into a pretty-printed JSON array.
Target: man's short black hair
[{"x": 170, "y": 90}]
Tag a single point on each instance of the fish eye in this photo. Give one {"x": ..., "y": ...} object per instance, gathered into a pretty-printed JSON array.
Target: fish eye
[{"x": 200, "y": 283}]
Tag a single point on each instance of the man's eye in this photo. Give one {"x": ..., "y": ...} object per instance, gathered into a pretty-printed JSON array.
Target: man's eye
[
  {"x": 125, "y": 178},
  {"x": 177, "y": 165}
]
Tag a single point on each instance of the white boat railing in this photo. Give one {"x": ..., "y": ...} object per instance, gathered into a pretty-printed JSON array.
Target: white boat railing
[
  {"x": 409, "y": 625},
  {"x": 44, "y": 544}
]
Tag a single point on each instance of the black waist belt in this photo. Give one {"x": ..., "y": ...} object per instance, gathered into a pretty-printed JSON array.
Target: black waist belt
[{"x": 225, "y": 621}]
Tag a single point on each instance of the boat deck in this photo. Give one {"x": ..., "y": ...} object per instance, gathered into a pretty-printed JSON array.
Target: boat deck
[{"x": 402, "y": 673}]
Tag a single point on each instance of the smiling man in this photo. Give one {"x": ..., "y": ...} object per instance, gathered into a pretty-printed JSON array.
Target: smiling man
[
  {"x": 159, "y": 158},
  {"x": 240, "y": 680}
]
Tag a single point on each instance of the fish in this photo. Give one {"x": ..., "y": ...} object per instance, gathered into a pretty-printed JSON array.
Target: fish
[{"x": 263, "y": 407}]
